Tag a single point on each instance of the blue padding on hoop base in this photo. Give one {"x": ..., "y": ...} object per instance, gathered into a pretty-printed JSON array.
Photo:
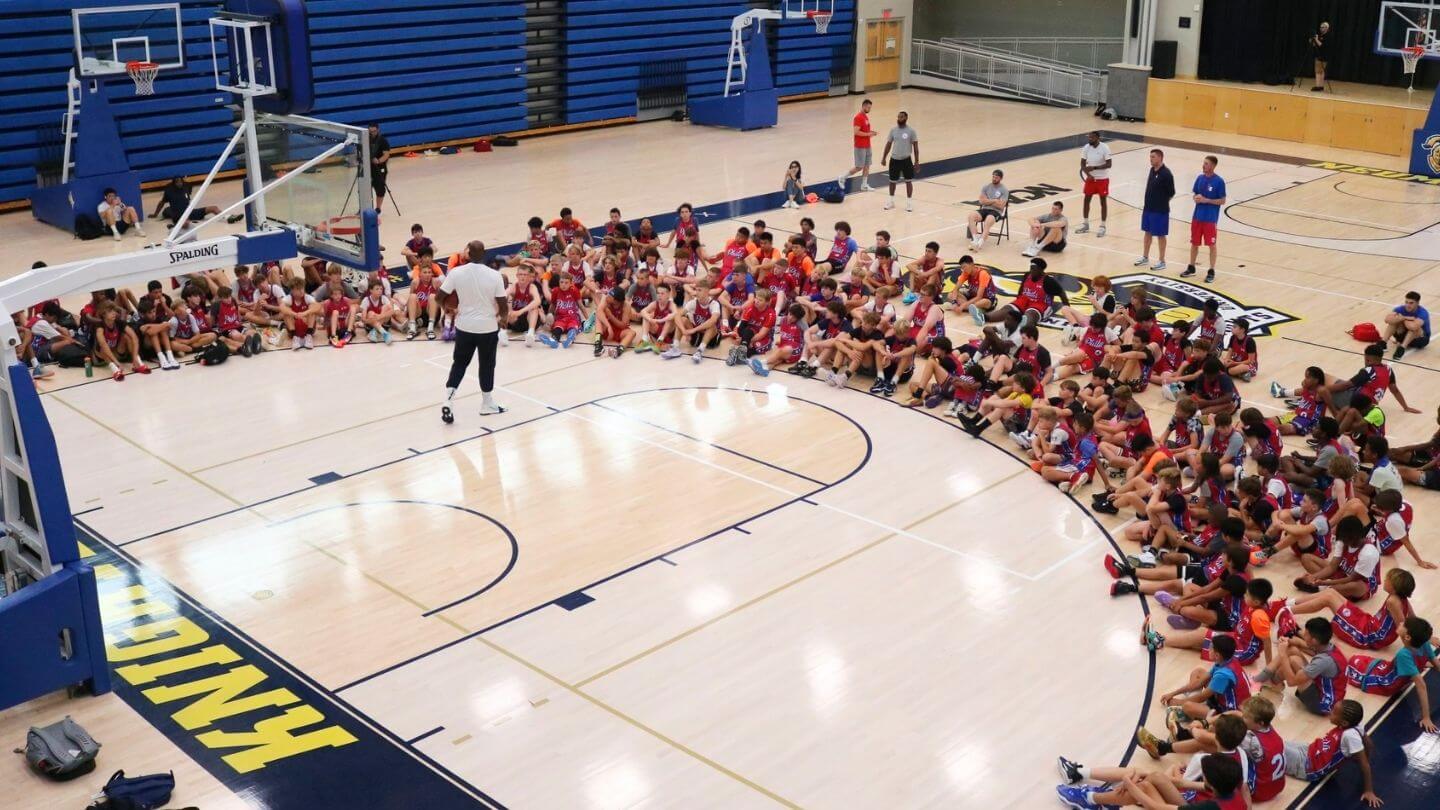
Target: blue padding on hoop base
[
  {"x": 290, "y": 36},
  {"x": 47, "y": 484},
  {"x": 31, "y": 621},
  {"x": 756, "y": 106}
]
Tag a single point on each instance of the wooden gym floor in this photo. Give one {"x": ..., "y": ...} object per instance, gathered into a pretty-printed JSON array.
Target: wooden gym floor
[{"x": 662, "y": 583}]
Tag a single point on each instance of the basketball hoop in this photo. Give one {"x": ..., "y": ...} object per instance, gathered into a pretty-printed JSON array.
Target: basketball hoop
[
  {"x": 144, "y": 74},
  {"x": 821, "y": 19},
  {"x": 1411, "y": 55}
]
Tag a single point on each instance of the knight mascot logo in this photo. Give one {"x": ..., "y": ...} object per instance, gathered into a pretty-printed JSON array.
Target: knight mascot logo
[{"x": 1432, "y": 153}]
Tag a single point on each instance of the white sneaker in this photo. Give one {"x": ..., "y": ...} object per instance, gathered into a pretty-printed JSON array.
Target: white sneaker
[
  {"x": 890, "y": 203},
  {"x": 1100, "y": 233},
  {"x": 909, "y": 206},
  {"x": 504, "y": 337},
  {"x": 529, "y": 339},
  {"x": 842, "y": 180},
  {"x": 139, "y": 230},
  {"x": 1142, "y": 261},
  {"x": 491, "y": 409},
  {"x": 976, "y": 244},
  {"x": 116, "y": 233},
  {"x": 698, "y": 355},
  {"x": 309, "y": 341},
  {"x": 1030, "y": 251},
  {"x": 866, "y": 186},
  {"x": 1084, "y": 228},
  {"x": 1158, "y": 266}
]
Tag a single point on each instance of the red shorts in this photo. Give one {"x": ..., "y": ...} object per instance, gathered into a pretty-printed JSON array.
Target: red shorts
[
  {"x": 1202, "y": 233},
  {"x": 566, "y": 323},
  {"x": 612, "y": 334},
  {"x": 794, "y": 355},
  {"x": 1101, "y": 187}
]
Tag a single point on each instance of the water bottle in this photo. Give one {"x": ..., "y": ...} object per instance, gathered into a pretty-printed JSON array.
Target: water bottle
[{"x": 89, "y": 367}]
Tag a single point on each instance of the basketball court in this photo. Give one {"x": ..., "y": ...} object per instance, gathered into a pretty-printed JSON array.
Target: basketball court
[{"x": 662, "y": 583}]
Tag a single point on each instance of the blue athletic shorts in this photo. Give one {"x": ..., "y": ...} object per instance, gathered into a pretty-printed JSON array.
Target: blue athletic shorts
[{"x": 1155, "y": 223}]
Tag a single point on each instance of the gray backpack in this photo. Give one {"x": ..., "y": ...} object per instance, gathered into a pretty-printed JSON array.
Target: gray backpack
[{"x": 61, "y": 750}]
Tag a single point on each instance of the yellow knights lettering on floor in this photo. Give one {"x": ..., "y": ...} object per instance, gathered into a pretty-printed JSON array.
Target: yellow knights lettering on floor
[
  {"x": 156, "y": 641},
  {"x": 1387, "y": 174}
]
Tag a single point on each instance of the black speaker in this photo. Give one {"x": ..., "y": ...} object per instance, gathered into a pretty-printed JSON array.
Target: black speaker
[{"x": 1162, "y": 59}]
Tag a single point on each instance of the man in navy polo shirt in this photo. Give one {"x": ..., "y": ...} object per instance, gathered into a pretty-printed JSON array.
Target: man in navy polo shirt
[
  {"x": 1155, "y": 216},
  {"x": 1209, "y": 194}
]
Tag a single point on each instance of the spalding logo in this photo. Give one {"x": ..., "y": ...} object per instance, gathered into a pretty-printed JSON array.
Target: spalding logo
[{"x": 1432, "y": 153}]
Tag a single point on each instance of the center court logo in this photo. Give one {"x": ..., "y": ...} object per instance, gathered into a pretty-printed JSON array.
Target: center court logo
[{"x": 1171, "y": 298}]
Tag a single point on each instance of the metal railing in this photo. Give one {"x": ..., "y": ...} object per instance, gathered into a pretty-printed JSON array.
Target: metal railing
[
  {"x": 1094, "y": 53},
  {"x": 1020, "y": 76}
]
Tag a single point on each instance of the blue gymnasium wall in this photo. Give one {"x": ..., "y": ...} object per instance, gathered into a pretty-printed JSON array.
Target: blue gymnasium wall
[
  {"x": 427, "y": 70},
  {"x": 608, "y": 40}
]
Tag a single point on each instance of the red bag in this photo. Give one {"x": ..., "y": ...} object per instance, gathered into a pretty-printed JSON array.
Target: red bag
[
  {"x": 1364, "y": 332},
  {"x": 482, "y": 145}
]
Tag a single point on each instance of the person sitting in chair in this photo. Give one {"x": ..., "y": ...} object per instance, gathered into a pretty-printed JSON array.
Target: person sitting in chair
[
  {"x": 1048, "y": 231},
  {"x": 994, "y": 197},
  {"x": 175, "y": 198}
]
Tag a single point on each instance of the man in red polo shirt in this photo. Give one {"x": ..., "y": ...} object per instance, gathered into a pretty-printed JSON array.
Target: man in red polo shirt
[{"x": 860, "y": 127}]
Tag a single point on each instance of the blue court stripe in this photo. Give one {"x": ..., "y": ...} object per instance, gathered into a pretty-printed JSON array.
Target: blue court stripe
[
  {"x": 432, "y": 732},
  {"x": 326, "y": 478},
  {"x": 721, "y": 448},
  {"x": 574, "y": 601}
]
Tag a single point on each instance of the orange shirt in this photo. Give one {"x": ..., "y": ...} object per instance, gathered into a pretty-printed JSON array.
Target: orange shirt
[
  {"x": 802, "y": 260},
  {"x": 1155, "y": 458}
]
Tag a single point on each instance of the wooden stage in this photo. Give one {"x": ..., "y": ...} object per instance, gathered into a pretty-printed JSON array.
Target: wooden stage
[{"x": 1364, "y": 117}]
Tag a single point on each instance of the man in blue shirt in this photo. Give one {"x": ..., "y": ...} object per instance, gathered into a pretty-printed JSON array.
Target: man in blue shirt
[
  {"x": 1409, "y": 325},
  {"x": 1155, "y": 216},
  {"x": 1209, "y": 195}
]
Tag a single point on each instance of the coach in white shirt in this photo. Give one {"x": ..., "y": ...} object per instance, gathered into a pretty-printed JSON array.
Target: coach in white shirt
[
  {"x": 475, "y": 292},
  {"x": 1095, "y": 171}
]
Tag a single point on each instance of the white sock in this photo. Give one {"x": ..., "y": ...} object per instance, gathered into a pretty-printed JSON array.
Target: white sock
[
  {"x": 1084, "y": 771},
  {"x": 487, "y": 399},
  {"x": 114, "y": 367},
  {"x": 449, "y": 394}
]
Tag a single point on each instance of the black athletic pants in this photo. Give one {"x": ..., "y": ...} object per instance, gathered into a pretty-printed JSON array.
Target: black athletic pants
[{"x": 466, "y": 344}]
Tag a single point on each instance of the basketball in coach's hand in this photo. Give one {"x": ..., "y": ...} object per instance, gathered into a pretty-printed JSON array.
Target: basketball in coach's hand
[{"x": 448, "y": 301}]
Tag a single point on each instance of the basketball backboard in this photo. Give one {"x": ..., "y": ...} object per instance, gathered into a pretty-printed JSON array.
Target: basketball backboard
[
  {"x": 330, "y": 204},
  {"x": 1408, "y": 25},
  {"x": 108, "y": 37}
]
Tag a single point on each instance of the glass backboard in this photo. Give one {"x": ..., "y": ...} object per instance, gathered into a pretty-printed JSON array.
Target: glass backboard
[
  {"x": 1408, "y": 25},
  {"x": 108, "y": 37},
  {"x": 330, "y": 203}
]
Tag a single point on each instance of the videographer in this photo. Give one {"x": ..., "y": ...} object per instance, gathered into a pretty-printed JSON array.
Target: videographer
[
  {"x": 1320, "y": 48},
  {"x": 379, "y": 164}
]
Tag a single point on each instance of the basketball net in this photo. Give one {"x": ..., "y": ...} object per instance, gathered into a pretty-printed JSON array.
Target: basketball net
[
  {"x": 1411, "y": 55},
  {"x": 144, "y": 74},
  {"x": 822, "y": 20}
]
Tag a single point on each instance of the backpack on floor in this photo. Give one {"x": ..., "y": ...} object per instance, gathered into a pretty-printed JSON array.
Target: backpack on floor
[
  {"x": 1365, "y": 332},
  {"x": 215, "y": 354},
  {"x": 71, "y": 355},
  {"x": 833, "y": 193},
  {"x": 136, "y": 792},
  {"x": 87, "y": 227},
  {"x": 60, "y": 751}
]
